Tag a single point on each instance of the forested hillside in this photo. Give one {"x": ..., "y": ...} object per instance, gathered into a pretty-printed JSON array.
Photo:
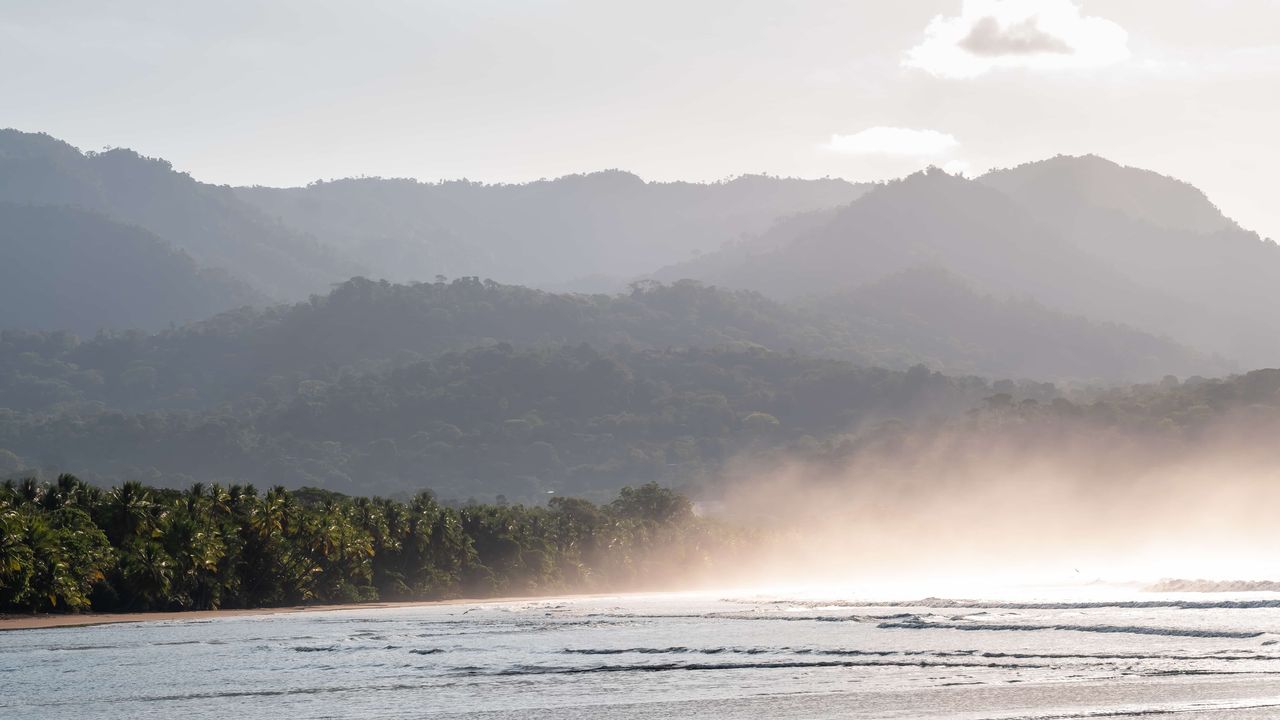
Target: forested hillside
[
  {"x": 1080, "y": 237},
  {"x": 928, "y": 315},
  {"x": 78, "y": 271},
  {"x": 964, "y": 227},
  {"x": 1154, "y": 254},
  {"x": 1062, "y": 188},
  {"x": 208, "y": 222},
  {"x": 1169, "y": 239},
  {"x": 581, "y": 231},
  {"x": 598, "y": 230},
  {"x": 364, "y": 325},
  {"x": 529, "y": 424},
  {"x": 921, "y": 317},
  {"x": 576, "y": 420},
  {"x": 493, "y": 420},
  {"x": 833, "y": 310}
]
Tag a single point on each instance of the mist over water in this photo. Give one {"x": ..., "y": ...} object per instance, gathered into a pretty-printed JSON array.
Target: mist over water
[{"x": 993, "y": 507}]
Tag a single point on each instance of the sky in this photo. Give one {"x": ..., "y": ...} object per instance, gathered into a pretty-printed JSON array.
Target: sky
[{"x": 292, "y": 91}]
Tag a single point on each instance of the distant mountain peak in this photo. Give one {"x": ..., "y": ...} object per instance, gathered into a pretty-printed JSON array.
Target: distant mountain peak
[
  {"x": 1065, "y": 184},
  {"x": 610, "y": 177},
  {"x": 931, "y": 181},
  {"x": 17, "y": 144}
]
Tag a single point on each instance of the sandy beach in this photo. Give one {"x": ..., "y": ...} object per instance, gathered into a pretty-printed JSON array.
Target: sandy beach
[{"x": 47, "y": 620}]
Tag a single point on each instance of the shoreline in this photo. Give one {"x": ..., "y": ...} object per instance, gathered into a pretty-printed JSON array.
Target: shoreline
[{"x": 48, "y": 620}]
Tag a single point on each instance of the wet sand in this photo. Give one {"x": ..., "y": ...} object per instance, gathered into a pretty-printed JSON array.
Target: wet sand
[{"x": 47, "y": 620}]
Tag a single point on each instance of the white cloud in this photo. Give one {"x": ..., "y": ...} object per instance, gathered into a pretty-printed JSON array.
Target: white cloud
[
  {"x": 1035, "y": 34},
  {"x": 893, "y": 141}
]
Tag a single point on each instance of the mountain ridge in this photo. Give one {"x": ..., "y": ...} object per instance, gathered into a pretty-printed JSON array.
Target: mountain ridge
[
  {"x": 1206, "y": 289},
  {"x": 206, "y": 221},
  {"x": 63, "y": 268}
]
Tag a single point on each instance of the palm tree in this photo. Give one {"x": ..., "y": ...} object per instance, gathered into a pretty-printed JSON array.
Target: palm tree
[
  {"x": 148, "y": 572},
  {"x": 193, "y": 540},
  {"x": 17, "y": 562},
  {"x": 130, "y": 508}
]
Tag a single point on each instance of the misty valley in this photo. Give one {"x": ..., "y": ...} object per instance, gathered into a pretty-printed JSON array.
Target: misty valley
[
  {"x": 966, "y": 409},
  {"x": 863, "y": 396}
]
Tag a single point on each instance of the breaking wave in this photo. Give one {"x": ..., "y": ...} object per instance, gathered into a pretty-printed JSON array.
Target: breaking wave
[
  {"x": 1215, "y": 586},
  {"x": 1129, "y": 629},
  {"x": 949, "y": 604},
  {"x": 695, "y": 666},
  {"x": 839, "y": 652}
]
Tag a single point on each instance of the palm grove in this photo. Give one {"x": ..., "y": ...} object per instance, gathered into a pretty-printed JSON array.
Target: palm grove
[{"x": 67, "y": 546}]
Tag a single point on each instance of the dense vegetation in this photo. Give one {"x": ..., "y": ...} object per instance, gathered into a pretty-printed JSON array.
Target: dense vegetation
[
  {"x": 1073, "y": 238},
  {"x": 572, "y": 420},
  {"x": 920, "y": 317},
  {"x": 1212, "y": 283},
  {"x": 962, "y": 226},
  {"x": 206, "y": 221},
  {"x": 926, "y": 315},
  {"x": 899, "y": 308},
  {"x": 381, "y": 388},
  {"x": 1183, "y": 410},
  {"x": 598, "y": 230},
  {"x": 1190, "y": 439},
  {"x": 73, "y": 270},
  {"x": 592, "y": 231},
  {"x": 1079, "y": 235},
  {"x": 364, "y": 325},
  {"x": 490, "y": 420},
  {"x": 67, "y": 546}
]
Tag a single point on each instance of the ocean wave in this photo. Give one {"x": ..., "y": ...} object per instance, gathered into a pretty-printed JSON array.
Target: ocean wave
[
  {"x": 1129, "y": 629},
  {"x": 775, "y": 617},
  {"x": 950, "y": 604},
  {"x": 274, "y": 693},
  {"x": 1124, "y": 656},
  {"x": 697, "y": 666},
  {"x": 1223, "y": 656},
  {"x": 681, "y": 650},
  {"x": 1148, "y": 711},
  {"x": 1214, "y": 586}
]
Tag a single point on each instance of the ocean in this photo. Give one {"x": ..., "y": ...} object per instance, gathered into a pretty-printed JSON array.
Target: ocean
[{"x": 1086, "y": 652}]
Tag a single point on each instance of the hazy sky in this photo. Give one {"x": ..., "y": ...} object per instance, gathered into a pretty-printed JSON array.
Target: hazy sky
[{"x": 283, "y": 93}]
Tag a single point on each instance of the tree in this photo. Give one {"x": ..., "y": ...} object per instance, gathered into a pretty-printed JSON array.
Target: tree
[{"x": 652, "y": 503}]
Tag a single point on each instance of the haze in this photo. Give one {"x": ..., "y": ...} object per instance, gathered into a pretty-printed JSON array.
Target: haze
[
  {"x": 724, "y": 359},
  {"x": 286, "y": 93}
]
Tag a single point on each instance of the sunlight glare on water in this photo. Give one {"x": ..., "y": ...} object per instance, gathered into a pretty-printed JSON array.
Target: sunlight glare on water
[{"x": 828, "y": 652}]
